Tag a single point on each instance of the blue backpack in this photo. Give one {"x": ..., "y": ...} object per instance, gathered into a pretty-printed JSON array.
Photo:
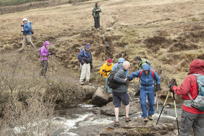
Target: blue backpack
[{"x": 198, "y": 102}]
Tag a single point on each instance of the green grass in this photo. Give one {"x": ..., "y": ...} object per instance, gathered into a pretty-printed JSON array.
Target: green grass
[{"x": 15, "y": 2}]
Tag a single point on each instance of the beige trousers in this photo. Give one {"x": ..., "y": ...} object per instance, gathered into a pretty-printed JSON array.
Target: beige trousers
[
  {"x": 85, "y": 73},
  {"x": 27, "y": 39}
]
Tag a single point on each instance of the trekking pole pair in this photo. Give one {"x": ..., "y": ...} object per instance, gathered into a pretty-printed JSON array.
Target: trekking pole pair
[{"x": 175, "y": 109}]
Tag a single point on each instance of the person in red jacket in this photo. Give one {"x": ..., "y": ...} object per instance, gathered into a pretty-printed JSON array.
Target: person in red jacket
[{"x": 191, "y": 117}]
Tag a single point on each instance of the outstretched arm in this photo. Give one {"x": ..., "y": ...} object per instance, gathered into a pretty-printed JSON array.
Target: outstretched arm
[{"x": 133, "y": 75}]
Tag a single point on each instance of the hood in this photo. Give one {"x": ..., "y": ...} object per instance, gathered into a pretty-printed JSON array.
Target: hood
[
  {"x": 121, "y": 60},
  {"x": 46, "y": 43},
  {"x": 146, "y": 67},
  {"x": 197, "y": 67}
]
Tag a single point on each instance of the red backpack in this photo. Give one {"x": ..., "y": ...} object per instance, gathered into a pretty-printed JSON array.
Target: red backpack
[{"x": 153, "y": 74}]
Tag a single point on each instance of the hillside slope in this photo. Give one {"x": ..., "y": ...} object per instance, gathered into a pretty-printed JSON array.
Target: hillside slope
[{"x": 169, "y": 33}]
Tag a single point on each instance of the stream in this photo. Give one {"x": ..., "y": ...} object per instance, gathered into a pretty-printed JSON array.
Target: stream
[{"x": 86, "y": 120}]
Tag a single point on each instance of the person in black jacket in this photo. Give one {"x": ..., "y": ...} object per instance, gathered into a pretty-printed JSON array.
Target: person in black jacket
[{"x": 120, "y": 93}]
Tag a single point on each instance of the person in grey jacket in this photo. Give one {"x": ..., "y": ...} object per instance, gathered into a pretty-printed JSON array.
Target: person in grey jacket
[{"x": 120, "y": 93}]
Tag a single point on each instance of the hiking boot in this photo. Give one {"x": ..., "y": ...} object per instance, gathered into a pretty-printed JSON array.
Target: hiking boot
[
  {"x": 116, "y": 124},
  {"x": 150, "y": 118},
  {"x": 145, "y": 120},
  {"x": 127, "y": 119}
]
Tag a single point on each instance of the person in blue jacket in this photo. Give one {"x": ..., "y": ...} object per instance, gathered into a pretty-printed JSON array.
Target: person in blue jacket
[
  {"x": 85, "y": 59},
  {"x": 148, "y": 80},
  {"x": 117, "y": 66},
  {"x": 27, "y": 33}
]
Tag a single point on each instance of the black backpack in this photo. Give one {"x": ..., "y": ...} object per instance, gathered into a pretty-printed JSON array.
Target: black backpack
[{"x": 111, "y": 82}]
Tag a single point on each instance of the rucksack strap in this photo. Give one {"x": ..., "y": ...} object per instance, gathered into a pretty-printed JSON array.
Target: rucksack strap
[{"x": 152, "y": 72}]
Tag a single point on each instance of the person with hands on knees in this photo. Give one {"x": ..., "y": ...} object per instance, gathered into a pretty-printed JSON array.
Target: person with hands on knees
[
  {"x": 192, "y": 92},
  {"x": 148, "y": 80},
  {"x": 120, "y": 93}
]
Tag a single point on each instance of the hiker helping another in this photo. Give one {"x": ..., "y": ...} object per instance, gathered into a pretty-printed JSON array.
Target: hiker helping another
[
  {"x": 148, "y": 81},
  {"x": 120, "y": 91},
  {"x": 192, "y": 92},
  {"x": 44, "y": 53},
  {"x": 104, "y": 71},
  {"x": 85, "y": 59},
  {"x": 96, "y": 15},
  {"x": 27, "y": 32}
]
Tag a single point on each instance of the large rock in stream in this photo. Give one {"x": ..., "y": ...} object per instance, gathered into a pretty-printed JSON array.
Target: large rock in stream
[{"x": 100, "y": 97}]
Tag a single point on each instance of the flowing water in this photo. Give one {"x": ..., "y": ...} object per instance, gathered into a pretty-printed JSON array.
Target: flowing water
[{"x": 86, "y": 120}]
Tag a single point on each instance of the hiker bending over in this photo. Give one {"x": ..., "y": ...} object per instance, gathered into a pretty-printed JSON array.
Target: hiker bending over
[
  {"x": 44, "y": 53},
  {"x": 148, "y": 79},
  {"x": 120, "y": 93},
  {"x": 27, "y": 33},
  {"x": 140, "y": 61},
  {"x": 96, "y": 15},
  {"x": 118, "y": 65},
  {"x": 105, "y": 71},
  {"x": 85, "y": 59},
  {"x": 192, "y": 91}
]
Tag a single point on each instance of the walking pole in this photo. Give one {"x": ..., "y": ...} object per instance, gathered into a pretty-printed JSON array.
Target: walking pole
[
  {"x": 157, "y": 103},
  {"x": 163, "y": 107},
  {"x": 175, "y": 109}
]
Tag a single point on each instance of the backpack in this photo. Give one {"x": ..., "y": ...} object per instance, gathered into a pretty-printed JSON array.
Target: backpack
[
  {"x": 198, "y": 102},
  {"x": 153, "y": 74},
  {"x": 111, "y": 82}
]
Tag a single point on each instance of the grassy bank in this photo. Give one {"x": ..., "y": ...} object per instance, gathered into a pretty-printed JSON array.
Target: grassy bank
[{"x": 15, "y": 2}]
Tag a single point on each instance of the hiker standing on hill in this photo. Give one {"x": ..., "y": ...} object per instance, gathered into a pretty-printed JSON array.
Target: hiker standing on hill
[
  {"x": 44, "y": 53},
  {"x": 85, "y": 59},
  {"x": 118, "y": 65},
  {"x": 120, "y": 93},
  {"x": 27, "y": 33},
  {"x": 140, "y": 61},
  {"x": 96, "y": 15},
  {"x": 191, "y": 90},
  {"x": 104, "y": 71},
  {"x": 148, "y": 79}
]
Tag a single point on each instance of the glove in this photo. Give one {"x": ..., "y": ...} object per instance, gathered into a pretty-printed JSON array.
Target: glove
[
  {"x": 172, "y": 83},
  {"x": 158, "y": 87}
]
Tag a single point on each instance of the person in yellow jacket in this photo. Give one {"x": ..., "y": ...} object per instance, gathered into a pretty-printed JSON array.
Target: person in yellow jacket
[{"x": 104, "y": 71}]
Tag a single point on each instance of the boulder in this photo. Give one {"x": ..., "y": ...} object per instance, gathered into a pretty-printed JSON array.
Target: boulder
[
  {"x": 139, "y": 128},
  {"x": 100, "y": 98},
  {"x": 89, "y": 91}
]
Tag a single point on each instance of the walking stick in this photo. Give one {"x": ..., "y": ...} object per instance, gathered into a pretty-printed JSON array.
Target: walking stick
[
  {"x": 163, "y": 108},
  {"x": 157, "y": 103},
  {"x": 175, "y": 109}
]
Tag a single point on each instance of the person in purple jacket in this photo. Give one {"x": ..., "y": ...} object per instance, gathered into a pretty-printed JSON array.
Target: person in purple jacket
[{"x": 44, "y": 53}]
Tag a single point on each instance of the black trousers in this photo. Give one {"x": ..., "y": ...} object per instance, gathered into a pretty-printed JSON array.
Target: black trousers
[
  {"x": 97, "y": 22},
  {"x": 44, "y": 67}
]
